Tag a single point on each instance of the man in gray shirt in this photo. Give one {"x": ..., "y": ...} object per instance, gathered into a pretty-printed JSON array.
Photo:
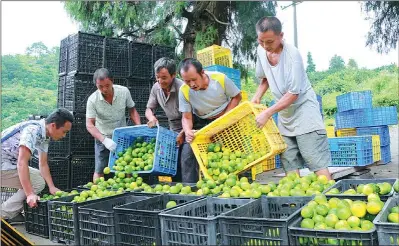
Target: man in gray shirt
[
  {"x": 280, "y": 67},
  {"x": 105, "y": 111},
  {"x": 207, "y": 95}
]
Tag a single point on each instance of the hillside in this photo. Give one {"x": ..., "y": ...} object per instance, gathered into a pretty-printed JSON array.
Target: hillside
[{"x": 29, "y": 84}]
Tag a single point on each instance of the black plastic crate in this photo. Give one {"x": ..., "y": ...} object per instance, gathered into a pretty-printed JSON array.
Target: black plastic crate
[
  {"x": 159, "y": 51},
  {"x": 141, "y": 65},
  {"x": 96, "y": 221},
  {"x": 77, "y": 91},
  {"x": 85, "y": 53},
  {"x": 60, "y": 148},
  {"x": 82, "y": 142},
  {"x": 7, "y": 192},
  {"x": 388, "y": 233},
  {"x": 63, "y": 58},
  {"x": 64, "y": 219},
  {"x": 61, "y": 91},
  {"x": 59, "y": 170},
  {"x": 82, "y": 169},
  {"x": 36, "y": 219},
  {"x": 140, "y": 90},
  {"x": 138, "y": 223},
  {"x": 196, "y": 223},
  {"x": 261, "y": 222},
  {"x": 346, "y": 184},
  {"x": 116, "y": 58}
]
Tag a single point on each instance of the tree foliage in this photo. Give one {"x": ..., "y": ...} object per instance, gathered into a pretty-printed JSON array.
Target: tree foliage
[
  {"x": 384, "y": 31},
  {"x": 311, "y": 67},
  {"x": 352, "y": 64},
  {"x": 336, "y": 63},
  {"x": 195, "y": 24}
]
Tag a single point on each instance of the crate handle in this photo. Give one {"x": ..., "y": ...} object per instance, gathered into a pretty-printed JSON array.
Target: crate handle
[
  {"x": 134, "y": 221},
  {"x": 93, "y": 216}
]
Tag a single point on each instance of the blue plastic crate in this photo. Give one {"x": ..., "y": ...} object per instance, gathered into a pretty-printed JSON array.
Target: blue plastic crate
[
  {"x": 278, "y": 161},
  {"x": 354, "y": 100},
  {"x": 385, "y": 154},
  {"x": 351, "y": 151},
  {"x": 166, "y": 150},
  {"x": 275, "y": 116},
  {"x": 382, "y": 131},
  {"x": 380, "y": 116},
  {"x": 233, "y": 74}
]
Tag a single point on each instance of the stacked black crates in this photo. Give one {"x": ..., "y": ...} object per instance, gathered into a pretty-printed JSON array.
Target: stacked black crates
[{"x": 81, "y": 54}]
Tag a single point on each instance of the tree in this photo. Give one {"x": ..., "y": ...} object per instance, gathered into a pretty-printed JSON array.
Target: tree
[
  {"x": 311, "y": 66},
  {"x": 336, "y": 63},
  {"x": 352, "y": 64},
  {"x": 385, "y": 27},
  {"x": 37, "y": 49},
  {"x": 197, "y": 24}
]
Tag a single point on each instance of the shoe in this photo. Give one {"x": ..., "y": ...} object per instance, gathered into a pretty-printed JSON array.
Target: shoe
[{"x": 19, "y": 219}]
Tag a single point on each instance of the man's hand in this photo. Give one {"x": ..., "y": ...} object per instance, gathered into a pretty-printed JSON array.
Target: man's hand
[
  {"x": 109, "y": 144},
  {"x": 255, "y": 100},
  {"x": 53, "y": 190},
  {"x": 32, "y": 199},
  {"x": 262, "y": 118},
  {"x": 189, "y": 136},
  {"x": 180, "y": 138},
  {"x": 152, "y": 123}
]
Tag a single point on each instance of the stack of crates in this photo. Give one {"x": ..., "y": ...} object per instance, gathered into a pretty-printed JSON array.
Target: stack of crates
[{"x": 357, "y": 117}]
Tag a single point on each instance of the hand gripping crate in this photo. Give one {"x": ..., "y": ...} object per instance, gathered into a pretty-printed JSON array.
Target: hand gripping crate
[
  {"x": 304, "y": 236},
  {"x": 196, "y": 223},
  {"x": 138, "y": 223},
  {"x": 354, "y": 100},
  {"x": 376, "y": 147},
  {"x": 261, "y": 222},
  {"x": 166, "y": 149},
  {"x": 231, "y": 73},
  {"x": 237, "y": 130},
  {"x": 96, "y": 221},
  {"x": 388, "y": 233},
  {"x": 215, "y": 55},
  {"x": 64, "y": 218},
  {"x": 347, "y": 184},
  {"x": 351, "y": 151}
]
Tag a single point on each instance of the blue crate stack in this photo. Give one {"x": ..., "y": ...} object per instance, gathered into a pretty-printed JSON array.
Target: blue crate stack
[
  {"x": 355, "y": 110},
  {"x": 231, "y": 73},
  {"x": 351, "y": 151}
]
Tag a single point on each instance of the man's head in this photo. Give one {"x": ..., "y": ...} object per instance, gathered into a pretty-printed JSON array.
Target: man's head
[
  {"x": 192, "y": 73},
  {"x": 104, "y": 81},
  {"x": 165, "y": 72},
  {"x": 270, "y": 36},
  {"x": 59, "y": 123}
]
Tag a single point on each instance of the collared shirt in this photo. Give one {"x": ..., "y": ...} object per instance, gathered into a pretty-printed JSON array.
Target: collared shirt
[
  {"x": 109, "y": 116},
  {"x": 211, "y": 101},
  {"x": 289, "y": 75},
  {"x": 32, "y": 136},
  {"x": 169, "y": 104}
]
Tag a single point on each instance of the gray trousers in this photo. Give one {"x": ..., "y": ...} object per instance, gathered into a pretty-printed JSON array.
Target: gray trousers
[{"x": 189, "y": 164}]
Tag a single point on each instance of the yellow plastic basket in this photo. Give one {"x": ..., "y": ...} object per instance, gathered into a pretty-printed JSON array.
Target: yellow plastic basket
[
  {"x": 215, "y": 55},
  {"x": 244, "y": 96},
  {"x": 330, "y": 131},
  {"x": 345, "y": 132},
  {"x": 376, "y": 147},
  {"x": 237, "y": 130},
  {"x": 164, "y": 179}
]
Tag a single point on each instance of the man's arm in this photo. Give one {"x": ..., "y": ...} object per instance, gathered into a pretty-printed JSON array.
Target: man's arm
[
  {"x": 24, "y": 177},
  {"x": 92, "y": 129},
  {"x": 134, "y": 116},
  {"x": 233, "y": 102},
  {"x": 187, "y": 122},
  {"x": 152, "y": 120},
  {"x": 45, "y": 172},
  {"x": 262, "y": 88}
]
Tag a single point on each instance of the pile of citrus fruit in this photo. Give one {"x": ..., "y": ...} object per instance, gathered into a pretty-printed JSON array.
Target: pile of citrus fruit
[
  {"x": 138, "y": 157},
  {"x": 58, "y": 194},
  {"x": 393, "y": 215},
  {"x": 178, "y": 188},
  {"x": 365, "y": 189},
  {"x": 221, "y": 161}
]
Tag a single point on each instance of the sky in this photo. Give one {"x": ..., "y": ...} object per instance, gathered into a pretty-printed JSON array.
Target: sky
[{"x": 324, "y": 29}]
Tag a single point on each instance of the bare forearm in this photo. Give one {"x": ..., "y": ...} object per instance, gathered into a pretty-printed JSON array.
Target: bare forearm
[
  {"x": 149, "y": 114},
  {"x": 262, "y": 88},
  {"x": 134, "y": 116},
  {"x": 187, "y": 124},
  {"x": 92, "y": 129},
  {"x": 233, "y": 102},
  {"x": 24, "y": 177},
  {"x": 283, "y": 103}
]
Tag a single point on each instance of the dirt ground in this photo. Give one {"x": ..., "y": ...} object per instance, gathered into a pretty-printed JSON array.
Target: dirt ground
[{"x": 390, "y": 170}]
